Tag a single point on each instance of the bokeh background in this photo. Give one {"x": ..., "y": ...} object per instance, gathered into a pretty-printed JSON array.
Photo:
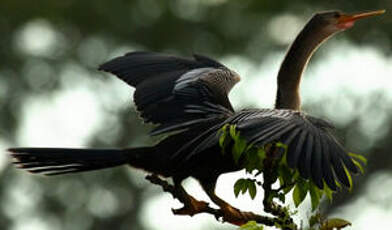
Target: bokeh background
[{"x": 52, "y": 95}]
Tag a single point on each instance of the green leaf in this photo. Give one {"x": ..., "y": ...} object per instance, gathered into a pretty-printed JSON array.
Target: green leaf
[
  {"x": 252, "y": 189},
  {"x": 251, "y": 225},
  {"x": 328, "y": 192},
  {"x": 281, "y": 181},
  {"x": 298, "y": 196},
  {"x": 238, "y": 148},
  {"x": 223, "y": 136},
  {"x": 334, "y": 223},
  {"x": 233, "y": 132},
  {"x": 238, "y": 186},
  {"x": 286, "y": 174},
  {"x": 358, "y": 157},
  {"x": 239, "y": 144},
  {"x": 282, "y": 197},
  {"x": 245, "y": 187},
  {"x": 261, "y": 153},
  {"x": 278, "y": 225},
  {"x": 315, "y": 195},
  {"x": 300, "y": 191},
  {"x": 253, "y": 159},
  {"x": 315, "y": 219},
  {"x": 236, "y": 154},
  {"x": 288, "y": 188}
]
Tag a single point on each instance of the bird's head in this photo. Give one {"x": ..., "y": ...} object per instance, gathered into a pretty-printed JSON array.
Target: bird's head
[{"x": 335, "y": 21}]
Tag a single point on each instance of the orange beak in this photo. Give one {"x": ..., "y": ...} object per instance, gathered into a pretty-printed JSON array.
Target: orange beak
[{"x": 347, "y": 20}]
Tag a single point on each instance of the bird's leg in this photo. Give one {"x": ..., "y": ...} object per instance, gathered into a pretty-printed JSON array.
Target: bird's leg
[
  {"x": 192, "y": 206},
  {"x": 230, "y": 213}
]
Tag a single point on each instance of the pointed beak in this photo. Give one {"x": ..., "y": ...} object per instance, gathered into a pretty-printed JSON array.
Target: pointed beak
[{"x": 347, "y": 20}]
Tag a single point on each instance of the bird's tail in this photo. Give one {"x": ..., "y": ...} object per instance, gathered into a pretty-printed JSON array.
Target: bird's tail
[{"x": 55, "y": 161}]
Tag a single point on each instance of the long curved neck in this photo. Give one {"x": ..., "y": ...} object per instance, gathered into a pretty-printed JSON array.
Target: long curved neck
[{"x": 293, "y": 65}]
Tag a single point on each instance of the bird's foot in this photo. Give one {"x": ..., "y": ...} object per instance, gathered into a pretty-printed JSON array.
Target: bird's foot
[{"x": 191, "y": 207}]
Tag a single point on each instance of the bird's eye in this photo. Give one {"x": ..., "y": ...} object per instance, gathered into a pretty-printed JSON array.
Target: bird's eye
[{"x": 336, "y": 15}]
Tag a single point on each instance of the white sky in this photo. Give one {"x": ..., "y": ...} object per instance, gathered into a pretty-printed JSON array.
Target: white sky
[{"x": 69, "y": 117}]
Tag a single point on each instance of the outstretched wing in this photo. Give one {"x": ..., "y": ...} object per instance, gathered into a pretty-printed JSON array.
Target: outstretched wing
[
  {"x": 312, "y": 148},
  {"x": 175, "y": 92}
]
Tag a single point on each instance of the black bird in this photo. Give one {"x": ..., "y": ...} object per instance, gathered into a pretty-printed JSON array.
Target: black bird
[{"x": 188, "y": 99}]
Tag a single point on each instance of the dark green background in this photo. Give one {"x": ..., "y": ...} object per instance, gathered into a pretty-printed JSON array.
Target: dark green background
[{"x": 215, "y": 28}]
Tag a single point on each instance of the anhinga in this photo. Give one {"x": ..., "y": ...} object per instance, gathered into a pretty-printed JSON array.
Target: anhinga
[{"x": 188, "y": 99}]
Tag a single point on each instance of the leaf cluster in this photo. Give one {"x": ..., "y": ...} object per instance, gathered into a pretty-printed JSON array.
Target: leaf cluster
[{"x": 243, "y": 185}]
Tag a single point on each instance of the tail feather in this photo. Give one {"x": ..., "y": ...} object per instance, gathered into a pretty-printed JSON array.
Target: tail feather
[{"x": 55, "y": 161}]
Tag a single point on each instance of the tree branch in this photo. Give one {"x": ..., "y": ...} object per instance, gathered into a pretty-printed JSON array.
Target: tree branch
[
  {"x": 219, "y": 214},
  {"x": 269, "y": 178}
]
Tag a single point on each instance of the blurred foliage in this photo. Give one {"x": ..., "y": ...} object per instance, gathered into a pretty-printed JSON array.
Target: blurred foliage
[{"x": 79, "y": 35}]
